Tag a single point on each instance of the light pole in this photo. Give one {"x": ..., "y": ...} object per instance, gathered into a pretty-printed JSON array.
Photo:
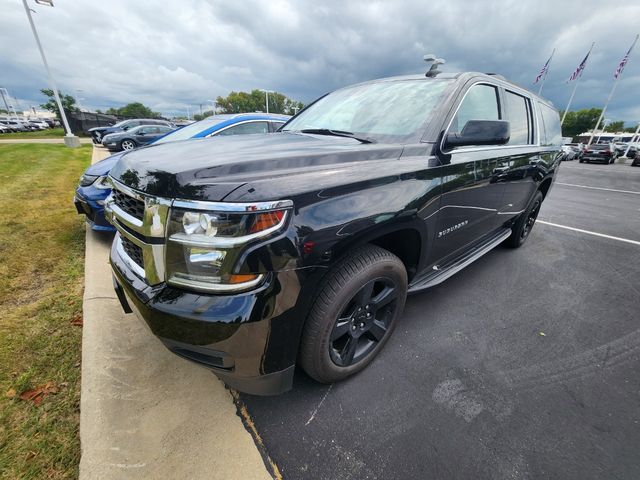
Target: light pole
[
  {"x": 604, "y": 128},
  {"x": 5, "y": 94},
  {"x": 70, "y": 139},
  {"x": 214, "y": 105},
  {"x": 266, "y": 97},
  {"x": 633, "y": 140}
]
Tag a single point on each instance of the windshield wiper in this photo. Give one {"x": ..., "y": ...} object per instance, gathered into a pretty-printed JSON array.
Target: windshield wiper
[{"x": 336, "y": 133}]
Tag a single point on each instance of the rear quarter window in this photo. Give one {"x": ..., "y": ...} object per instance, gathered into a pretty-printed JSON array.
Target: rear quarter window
[{"x": 551, "y": 134}]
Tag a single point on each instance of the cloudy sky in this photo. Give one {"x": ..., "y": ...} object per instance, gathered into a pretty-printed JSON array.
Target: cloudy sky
[{"x": 171, "y": 54}]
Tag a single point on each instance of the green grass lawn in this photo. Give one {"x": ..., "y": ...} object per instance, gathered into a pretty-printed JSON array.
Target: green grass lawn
[
  {"x": 49, "y": 133},
  {"x": 41, "y": 284}
]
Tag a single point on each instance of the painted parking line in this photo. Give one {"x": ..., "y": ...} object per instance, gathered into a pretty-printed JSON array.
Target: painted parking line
[
  {"x": 588, "y": 232},
  {"x": 600, "y": 170},
  {"x": 598, "y": 188}
]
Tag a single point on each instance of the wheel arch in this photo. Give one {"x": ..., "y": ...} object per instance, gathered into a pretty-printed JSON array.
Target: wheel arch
[{"x": 406, "y": 240}]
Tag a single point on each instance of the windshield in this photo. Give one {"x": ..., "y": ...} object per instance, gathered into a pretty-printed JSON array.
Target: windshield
[
  {"x": 119, "y": 124},
  {"x": 189, "y": 131},
  {"x": 387, "y": 111}
]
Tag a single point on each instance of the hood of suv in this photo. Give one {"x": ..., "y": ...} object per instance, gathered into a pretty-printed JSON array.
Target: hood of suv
[
  {"x": 104, "y": 166},
  {"x": 211, "y": 168}
]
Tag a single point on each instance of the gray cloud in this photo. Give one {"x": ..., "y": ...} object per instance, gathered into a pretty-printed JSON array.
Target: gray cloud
[{"x": 172, "y": 54}]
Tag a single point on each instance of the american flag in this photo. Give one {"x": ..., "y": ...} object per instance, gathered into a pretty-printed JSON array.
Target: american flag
[
  {"x": 543, "y": 71},
  {"x": 579, "y": 70},
  {"x": 623, "y": 62}
]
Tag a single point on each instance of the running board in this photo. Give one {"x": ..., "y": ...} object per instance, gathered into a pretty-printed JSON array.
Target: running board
[{"x": 440, "y": 275}]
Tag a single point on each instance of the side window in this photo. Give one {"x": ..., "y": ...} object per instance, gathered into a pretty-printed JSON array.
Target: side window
[
  {"x": 517, "y": 108},
  {"x": 480, "y": 103},
  {"x": 246, "y": 128},
  {"x": 551, "y": 121}
]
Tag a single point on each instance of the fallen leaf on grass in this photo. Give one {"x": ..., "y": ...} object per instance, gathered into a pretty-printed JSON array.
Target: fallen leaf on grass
[
  {"x": 37, "y": 394},
  {"x": 11, "y": 393},
  {"x": 77, "y": 321}
]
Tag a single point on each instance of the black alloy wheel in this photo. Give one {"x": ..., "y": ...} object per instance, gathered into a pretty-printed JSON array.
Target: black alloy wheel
[
  {"x": 524, "y": 224},
  {"x": 357, "y": 306},
  {"x": 364, "y": 322},
  {"x": 532, "y": 215}
]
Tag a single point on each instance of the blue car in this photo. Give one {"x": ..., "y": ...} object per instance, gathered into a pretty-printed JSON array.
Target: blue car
[{"x": 94, "y": 187}]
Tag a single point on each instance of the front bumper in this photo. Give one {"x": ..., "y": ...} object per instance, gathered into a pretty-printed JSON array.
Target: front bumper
[
  {"x": 93, "y": 210},
  {"x": 249, "y": 340}
]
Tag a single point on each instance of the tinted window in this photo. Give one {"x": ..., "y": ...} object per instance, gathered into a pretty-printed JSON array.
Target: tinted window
[
  {"x": 551, "y": 123},
  {"x": 246, "y": 128},
  {"x": 480, "y": 103},
  {"x": 518, "y": 116}
]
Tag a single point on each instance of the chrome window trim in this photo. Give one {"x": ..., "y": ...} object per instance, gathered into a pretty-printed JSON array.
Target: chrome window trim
[
  {"x": 239, "y": 123},
  {"x": 490, "y": 147},
  {"x": 232, "y": 206}
]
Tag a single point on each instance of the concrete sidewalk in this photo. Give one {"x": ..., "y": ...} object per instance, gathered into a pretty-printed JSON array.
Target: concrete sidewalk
[
  {"x": 83, "y": 140},
  {"x": 145, "y": 413}
]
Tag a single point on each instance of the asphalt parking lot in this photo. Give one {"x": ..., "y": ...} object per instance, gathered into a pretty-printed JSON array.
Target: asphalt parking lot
[{"x": 524, "y": 365}]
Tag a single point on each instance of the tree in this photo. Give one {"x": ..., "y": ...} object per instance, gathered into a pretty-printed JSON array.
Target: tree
[
  {"x": 580, "y": 121},
  {"x": 205, "y": 114},
  {"x": 68, "y": 102},
  {"x": 254, "y": 101},
  {"x": 617, "y": 126},
  {"x": 135, "y": 109}
]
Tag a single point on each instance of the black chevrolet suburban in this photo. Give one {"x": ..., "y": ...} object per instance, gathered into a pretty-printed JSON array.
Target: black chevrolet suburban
[{"x": 252, "y": 254}]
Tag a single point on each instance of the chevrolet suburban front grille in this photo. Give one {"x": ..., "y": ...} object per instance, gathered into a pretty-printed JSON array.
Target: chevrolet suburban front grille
[
  {"x": 141, "y": 223},
  {"x": 132, "y": 206},
  {"x": 133, "y": 251}
]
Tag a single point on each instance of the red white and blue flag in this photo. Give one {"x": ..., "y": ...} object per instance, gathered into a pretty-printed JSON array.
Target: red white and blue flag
[
  {"x": 543, "y": 71},
  {"x": 575, "y": 75},
  {"x": 623, "y": 62}
]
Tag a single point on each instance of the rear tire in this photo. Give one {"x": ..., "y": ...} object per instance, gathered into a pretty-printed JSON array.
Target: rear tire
[
  {"x": 357, "y": 307},
  {"x": 523, "y": 226}
]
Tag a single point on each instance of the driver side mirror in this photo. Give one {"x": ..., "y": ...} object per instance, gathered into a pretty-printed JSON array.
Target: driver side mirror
[{"x": 480, "y": 132}]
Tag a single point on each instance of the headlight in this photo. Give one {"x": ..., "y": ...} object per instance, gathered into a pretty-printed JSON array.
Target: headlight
[
  {"x": 86, "y": 180},
  {"x": 203, "y": 247},
  {"x": 98, "y": 181}
]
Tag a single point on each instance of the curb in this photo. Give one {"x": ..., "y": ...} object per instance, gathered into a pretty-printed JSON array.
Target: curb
[{"x": 144, "y": 412}]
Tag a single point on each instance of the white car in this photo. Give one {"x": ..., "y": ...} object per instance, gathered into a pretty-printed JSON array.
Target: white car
[{"x": 41, "y": 124}]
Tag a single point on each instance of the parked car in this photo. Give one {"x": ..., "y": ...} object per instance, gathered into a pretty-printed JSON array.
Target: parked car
[
  {"x": 568, "y": 153},
  {"x": 98, "y": 132},
  {"x": 599, "y": 152},
  {"x": 249, "y": 254},
  {"x": 17, "y": 126},
  {"x": 93, "y": 188},
  {"x": 4, "y": 128},
  {"x": 577, "y": 149},
  {"x": 134, "y": 137},
  {"x": 39, "y": 124}
]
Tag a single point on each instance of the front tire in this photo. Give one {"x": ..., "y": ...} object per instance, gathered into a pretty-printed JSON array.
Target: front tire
[
  {"x": 357, "y": 308},
  {"x": 523, "y": 226},
  {"x": 127, "y": 144}
]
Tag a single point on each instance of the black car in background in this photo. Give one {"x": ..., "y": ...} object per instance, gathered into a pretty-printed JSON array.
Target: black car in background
[
  {"x": 97, "y": 133},
  {"x": 599, "y": 152},
  {"x": 134, "y": 137}
]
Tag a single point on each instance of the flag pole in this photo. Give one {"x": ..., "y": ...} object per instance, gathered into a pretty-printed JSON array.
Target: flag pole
[
  {"x": 546, "y": 71},
  {"x": 613, "y": 89},
  {"x": 575, "y": 86}
]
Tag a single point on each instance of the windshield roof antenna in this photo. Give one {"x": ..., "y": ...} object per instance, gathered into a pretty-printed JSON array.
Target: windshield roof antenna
[{"x": 434, "y": 61}]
